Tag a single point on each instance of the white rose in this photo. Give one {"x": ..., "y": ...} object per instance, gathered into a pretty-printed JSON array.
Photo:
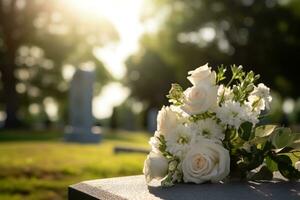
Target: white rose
[
  {"x": 167, "y": 120},
  {"x": 202, "y": 75},
  {"x": 206, "y": 161},
  {"x": 155, "y": 166},
  {"x": 199, "y": 99},
  {"x": 154, "y": 142}
]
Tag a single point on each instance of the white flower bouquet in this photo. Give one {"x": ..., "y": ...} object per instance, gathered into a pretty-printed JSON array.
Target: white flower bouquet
[{"x": 211, "y": 132}]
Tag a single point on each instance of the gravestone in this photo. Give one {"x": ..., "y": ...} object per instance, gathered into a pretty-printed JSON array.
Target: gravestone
[
  {"x": 124, "y": 149},
  {"x": 151, "y": 120},
  {"x": 135, "y": 188},
  {"x": 80, "y": 109},
  {"x": 123, "y": 118},
  {"x": 128, "y": 120}
]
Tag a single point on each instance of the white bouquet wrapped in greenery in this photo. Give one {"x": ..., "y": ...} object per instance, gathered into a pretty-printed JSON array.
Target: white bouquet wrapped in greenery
[{"x": 211, "y": 132}]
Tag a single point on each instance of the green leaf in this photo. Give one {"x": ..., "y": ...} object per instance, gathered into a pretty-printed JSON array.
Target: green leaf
[
  {"x": 263, "y": 131},
  {"x": 285, "y": 167},
  {"x": 230, "y": 134},
  {"x": 271, "y": 164},
  {"x": 267, "y": 146},
  {"x": 296, "y": 142},
  {"x": 263, "y": 174},
  {"x": 283, "y": 159},
  {"x": 245, "y": 131},
  {"x": 282, "y": 137},
  {"x": 251, "y": 160},
  {"x": 288, "y": 171},
  {"x": 175, "y": 95},
  {"x": 296, "y": 136},
  {"x": 167, "y": 180},
  {"x": 221, "y": 73},
  {"x": 259, "y": 140},
  {"x": 285, "y": 150}
]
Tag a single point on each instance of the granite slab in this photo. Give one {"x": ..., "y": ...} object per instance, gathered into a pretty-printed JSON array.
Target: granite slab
[{"x": 135, "y": 188}]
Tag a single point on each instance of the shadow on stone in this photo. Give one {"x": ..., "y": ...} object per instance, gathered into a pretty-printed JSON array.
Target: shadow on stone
[
  {"x": 135, "y": 187},
  {"x": 229, "y": 191}
]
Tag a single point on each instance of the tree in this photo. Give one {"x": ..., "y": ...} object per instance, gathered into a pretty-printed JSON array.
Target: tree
[
  {"x": 37, "y": 38},
  {"x": 260, "y": 35},
  {"x": 148, "y": 78}
]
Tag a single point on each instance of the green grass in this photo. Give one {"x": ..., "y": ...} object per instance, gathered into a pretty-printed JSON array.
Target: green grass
[{"x": 40, "y": 166}]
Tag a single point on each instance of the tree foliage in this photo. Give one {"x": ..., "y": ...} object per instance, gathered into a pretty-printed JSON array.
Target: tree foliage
[
  {"x": 38, "y": 38},
  {"x": 263, "y": 36},
  {"x": 149, "y": 77}
]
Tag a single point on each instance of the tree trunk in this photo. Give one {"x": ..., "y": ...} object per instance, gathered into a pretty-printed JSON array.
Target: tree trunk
[
  {"x": 10, "y": 94},
  {"x": 9, "y": 82},
  {"x": 7, "y": 68}
]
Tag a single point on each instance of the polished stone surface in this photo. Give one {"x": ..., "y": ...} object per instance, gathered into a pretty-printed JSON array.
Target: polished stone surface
[{"x": 134, "y": 187}]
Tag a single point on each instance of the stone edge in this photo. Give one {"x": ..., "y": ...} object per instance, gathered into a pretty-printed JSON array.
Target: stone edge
[{"x": 79, "y": 192}]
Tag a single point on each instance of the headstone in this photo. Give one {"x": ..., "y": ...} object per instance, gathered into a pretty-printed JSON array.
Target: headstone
[
  {"x": 151, "y": 120},
  {"x": 80, "y": 109},
  {"x": 127, "y": 120},
  {"x": 123, "y": 149},
  {"x": 135, "y": 187},
  {"x": 123, "y": 118}
]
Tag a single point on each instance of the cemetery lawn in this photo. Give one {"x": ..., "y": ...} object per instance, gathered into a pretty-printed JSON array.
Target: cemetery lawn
[{"x": 39, "y": 165}]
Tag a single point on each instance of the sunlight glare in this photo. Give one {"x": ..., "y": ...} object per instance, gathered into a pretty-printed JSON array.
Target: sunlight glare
[
  {"x": 288, "y": 105},
  {"x": 124, "y": 15},
  {"x": 68, "y": 71},
  {"x": 51, "y": 108},
  {"x": 2, "y": 116},
  {"x": 112, "y": 95}
]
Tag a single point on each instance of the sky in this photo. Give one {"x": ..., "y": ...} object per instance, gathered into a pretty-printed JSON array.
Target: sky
[{"x": 124, "y": 15}]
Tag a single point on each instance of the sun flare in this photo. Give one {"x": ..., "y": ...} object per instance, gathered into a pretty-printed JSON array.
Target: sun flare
[{"x": 124, "y": 16}]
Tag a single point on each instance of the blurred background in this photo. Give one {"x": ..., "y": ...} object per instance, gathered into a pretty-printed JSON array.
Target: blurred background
[{"x": 135, "y": 49}]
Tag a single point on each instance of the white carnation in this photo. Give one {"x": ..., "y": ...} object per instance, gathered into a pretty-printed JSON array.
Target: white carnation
[
  {"x": 257, "y": 103},
  {"x": 250, "y": 115},
  {"x": 225, "y": 93},
  {"x": 208, "y": 128},
  {"x": 263, "y": 92},
  {"x": 178, "y": 142},
  {"x": 234, "y": 114}
]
